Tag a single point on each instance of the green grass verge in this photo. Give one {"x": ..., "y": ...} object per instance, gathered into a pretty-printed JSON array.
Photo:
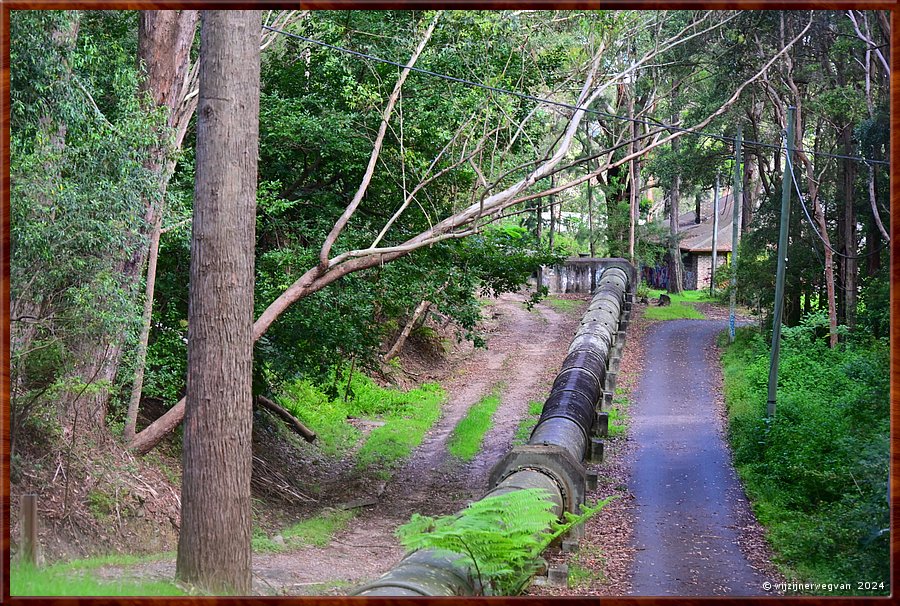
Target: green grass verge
[
  {"x": 406, "y": 416},
  {"x": 681, "y": 308},
  {"x": 63, "y": 580},
  {"x": 526, "y": 425},
  {"x": 816, "y": 474},
  {"x": 314, "y": 532},
  {"x": 465, "y": 441},
  {"x": 564, "y": 305}
]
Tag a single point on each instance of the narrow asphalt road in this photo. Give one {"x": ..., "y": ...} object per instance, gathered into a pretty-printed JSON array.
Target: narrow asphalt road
[{"x": 690, "y": 506}]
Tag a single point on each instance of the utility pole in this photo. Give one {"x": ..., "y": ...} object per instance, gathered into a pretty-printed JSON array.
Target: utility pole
[
  {"x": 737, "y": 203},
  {"x": 782, "y": 261},
  {"x": 590, "y": 189},
  {"x": 715, "y": 238}
]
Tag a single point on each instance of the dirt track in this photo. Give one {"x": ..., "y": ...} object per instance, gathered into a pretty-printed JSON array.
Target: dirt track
[
  {"x": 524, "y": 351},
  {"x": 691, "y": 512}
]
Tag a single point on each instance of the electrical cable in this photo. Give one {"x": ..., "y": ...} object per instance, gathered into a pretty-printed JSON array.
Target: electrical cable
[
  {"x": 790, "y": 166},
  {"x": 528, "y": 97}
]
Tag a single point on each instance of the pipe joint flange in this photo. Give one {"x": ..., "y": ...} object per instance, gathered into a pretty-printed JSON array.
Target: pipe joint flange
[{"x": 552, "y": 461}]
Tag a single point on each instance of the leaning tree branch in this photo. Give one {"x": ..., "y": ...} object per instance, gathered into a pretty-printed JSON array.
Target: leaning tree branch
[
  {"x": 458, "y": 225},
  {"x": 376, "y": 148}
]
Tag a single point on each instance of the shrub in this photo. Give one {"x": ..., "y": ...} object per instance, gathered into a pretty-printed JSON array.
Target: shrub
[{"x": 817, "y": 473}]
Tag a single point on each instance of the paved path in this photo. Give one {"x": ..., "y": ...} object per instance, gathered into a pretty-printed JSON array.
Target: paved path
[{"x": 689, "y": 503}]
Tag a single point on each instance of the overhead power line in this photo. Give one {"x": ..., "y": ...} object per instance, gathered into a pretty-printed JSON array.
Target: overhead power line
[
  {"x": 546, "y": 101},
  {"x": 790, "y": 165}
]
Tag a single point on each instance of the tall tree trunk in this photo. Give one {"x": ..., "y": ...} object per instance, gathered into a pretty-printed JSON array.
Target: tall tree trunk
[
  {"x": 632, "y": 177},
  {"x": 164, "y": 51},
  {"x": 553, "y": 226},
  {"x": 214, "y": 544},
  {"x": 590, "y": 190},
  {"x": 850, "y": 248},
  {"x": 676, "y": 270},
  {"x": 873, "y": 241},
  {"x": 404, "y": 334}
]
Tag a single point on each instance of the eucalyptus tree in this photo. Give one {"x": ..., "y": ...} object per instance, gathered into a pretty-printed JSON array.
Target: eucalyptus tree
[
  {"x": 214, "y": 542},
  {"x": 78, "y": 138}
]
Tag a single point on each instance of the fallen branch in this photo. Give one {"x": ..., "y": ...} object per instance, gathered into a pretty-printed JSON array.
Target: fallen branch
[{"x": 291, "y": 421}]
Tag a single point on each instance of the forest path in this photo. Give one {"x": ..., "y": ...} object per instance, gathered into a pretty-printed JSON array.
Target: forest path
[
  {"x": 524, "y": 351},
  {"x": 692, "y": 520}
]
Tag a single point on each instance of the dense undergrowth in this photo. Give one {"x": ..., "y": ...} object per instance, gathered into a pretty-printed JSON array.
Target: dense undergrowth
[
  {"x": 401, "y": 418},
  {"x": 817, "y": 474}
]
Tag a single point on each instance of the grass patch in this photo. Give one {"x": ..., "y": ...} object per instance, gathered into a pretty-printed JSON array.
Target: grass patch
[
  {"x": 526, "y": 425},
  {"x": 618, "y": 415},
  {"x": 465, "y": 441},
  {"x": 113, "y": 559},
  {"x": 317, "y": 531},
  {"x": 406, "y": 415},
  {"x": 816, "y": 474},
  {"x": 406, "y": 419},
  {"x": 586, "y": 568},
  {"x": 59, "y": 580},
  {"x": 681, "y": 307},
  {"x": 564, "y": 305}
]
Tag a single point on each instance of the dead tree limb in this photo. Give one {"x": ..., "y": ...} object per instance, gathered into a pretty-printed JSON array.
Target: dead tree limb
[{"x": 291, "y": 421}]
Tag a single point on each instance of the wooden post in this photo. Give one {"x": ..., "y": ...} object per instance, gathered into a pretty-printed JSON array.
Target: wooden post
[{"x": 28, "y": 524}]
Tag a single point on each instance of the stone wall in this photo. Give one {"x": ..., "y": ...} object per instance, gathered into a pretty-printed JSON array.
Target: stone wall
[{"x": 582, "y": 274}]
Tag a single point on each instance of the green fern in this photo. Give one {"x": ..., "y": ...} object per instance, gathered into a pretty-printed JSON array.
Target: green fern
[{"x": 499, "y": 538}]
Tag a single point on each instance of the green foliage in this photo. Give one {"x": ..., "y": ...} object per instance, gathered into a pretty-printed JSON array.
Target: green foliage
[
  {"x": 618, "y": 416},
  {"x": 316, "y": 531},
  {"x": 875, "y": 304},
  {"x": 326, "y": 417},
  {"x": 643, "y": 290},
  {"x": 465, "y": 441},
  {"x": 564, "y": 305},
  {"x": 406, "y": 416},
  {"x": 498, "y": 537},
  {"x": 390, "y": 444},
  {"x": 583, "y": 567},
  {"x": 100, "y": 503},
  {"x": 59, "y": 580},
  {"x": 80, "y": 138},
  {"x": 818, "y": 473}
]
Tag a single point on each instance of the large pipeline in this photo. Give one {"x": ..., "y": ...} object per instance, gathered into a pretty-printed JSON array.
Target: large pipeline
[{"x": 569, "y": 431}]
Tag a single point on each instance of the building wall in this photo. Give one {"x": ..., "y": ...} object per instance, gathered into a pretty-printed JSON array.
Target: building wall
[{"x": 704, "y": 268}]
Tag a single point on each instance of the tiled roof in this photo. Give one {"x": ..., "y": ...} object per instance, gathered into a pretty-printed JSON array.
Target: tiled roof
[{"x": 697, "y": 237}]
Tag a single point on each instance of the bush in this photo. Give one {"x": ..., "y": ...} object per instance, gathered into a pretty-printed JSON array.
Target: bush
[{"x": 817, "y": 473}]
